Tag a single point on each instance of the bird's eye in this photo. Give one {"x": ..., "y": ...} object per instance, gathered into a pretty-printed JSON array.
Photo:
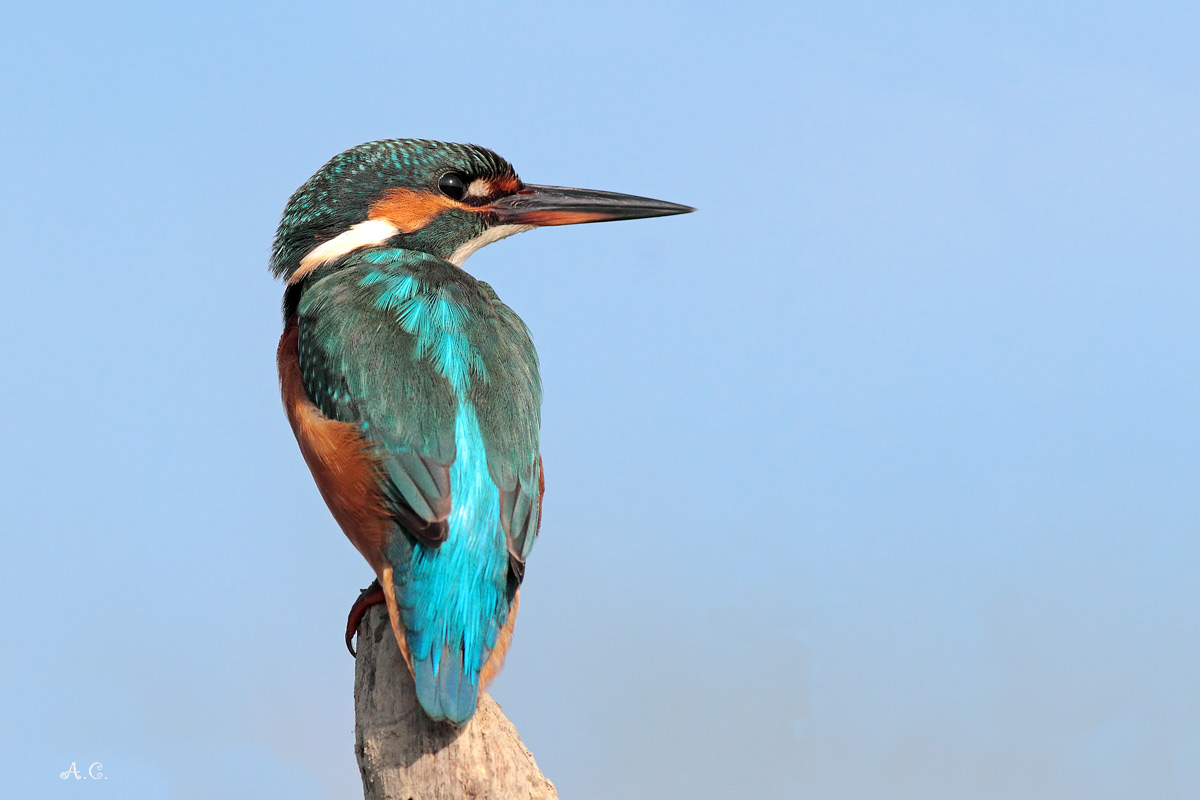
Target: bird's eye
[{"x": 453, "y": 185}]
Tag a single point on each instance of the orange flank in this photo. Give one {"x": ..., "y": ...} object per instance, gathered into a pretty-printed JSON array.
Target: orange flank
[
  {"x": 393, "y": 609},
  {"x": 339, "y": 459},
  {"x": 541, "y": 489},
  {"x": 495, "y": 662}
]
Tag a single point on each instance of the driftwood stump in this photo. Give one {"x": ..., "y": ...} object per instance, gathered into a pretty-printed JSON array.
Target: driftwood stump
[{"x": 402, "y": 754}]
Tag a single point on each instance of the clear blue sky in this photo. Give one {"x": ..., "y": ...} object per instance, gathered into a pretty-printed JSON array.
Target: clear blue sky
[{"x": 878, "y": 477}]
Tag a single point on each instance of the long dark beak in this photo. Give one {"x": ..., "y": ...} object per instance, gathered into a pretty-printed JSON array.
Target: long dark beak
[{"x": 558, "y": 205}]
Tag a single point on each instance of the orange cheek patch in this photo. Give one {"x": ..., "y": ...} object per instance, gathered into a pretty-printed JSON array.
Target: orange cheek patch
[{"x": 410, "y": 210}]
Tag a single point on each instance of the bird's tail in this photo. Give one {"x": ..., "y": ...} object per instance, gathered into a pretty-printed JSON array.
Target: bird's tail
[
  {"x": 446, "y": 687},
  {"x": 447, "y": 664},
  {"x": 450, "y": 662}
]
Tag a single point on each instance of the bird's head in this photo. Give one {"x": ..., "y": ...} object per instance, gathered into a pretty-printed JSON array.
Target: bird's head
[{"x": 444, "y": 199}]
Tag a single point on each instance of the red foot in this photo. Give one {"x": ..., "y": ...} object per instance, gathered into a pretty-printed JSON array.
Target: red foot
[{"x": 369, "y": 596}]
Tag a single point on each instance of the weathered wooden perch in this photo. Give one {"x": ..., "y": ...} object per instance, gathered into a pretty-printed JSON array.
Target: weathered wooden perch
[{"x": 402, "y": 754}]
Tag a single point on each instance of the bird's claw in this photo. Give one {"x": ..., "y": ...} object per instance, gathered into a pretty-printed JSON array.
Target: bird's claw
[{"x": 368, "y": 597}]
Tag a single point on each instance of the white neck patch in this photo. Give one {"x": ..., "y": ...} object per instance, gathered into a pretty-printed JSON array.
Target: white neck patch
[
  {"x": 495, "y": 234},
  {"x": 364, "y": 234}
]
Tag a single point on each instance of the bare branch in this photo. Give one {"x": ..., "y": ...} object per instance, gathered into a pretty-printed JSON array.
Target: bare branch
[{"x": 402, "y": 754}]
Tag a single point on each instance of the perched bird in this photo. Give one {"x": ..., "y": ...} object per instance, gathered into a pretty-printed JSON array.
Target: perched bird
[{"x": 414, "y": 392}]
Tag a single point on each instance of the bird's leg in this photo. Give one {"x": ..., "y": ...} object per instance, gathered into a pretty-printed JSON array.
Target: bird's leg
[{"x": 369, "y": 596}]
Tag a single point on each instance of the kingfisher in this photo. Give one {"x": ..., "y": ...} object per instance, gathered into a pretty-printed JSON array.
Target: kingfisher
[{"x": 414, "y": 393}]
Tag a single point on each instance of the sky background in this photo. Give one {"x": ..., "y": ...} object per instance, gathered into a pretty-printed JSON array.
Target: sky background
[{"x": 877, "y": 477}]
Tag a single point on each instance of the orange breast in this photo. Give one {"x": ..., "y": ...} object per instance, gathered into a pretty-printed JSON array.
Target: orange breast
[{"x": 338, "y": 457}]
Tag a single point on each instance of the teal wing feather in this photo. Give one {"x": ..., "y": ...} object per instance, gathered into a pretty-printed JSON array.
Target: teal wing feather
[
  {"x": 510, "y": 419},
  {"x": 358, "y": 367}
]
